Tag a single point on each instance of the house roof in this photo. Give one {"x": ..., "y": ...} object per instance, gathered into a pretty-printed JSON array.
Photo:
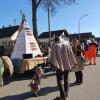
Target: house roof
[
  {"x": 82, "y": 35},
  {"x": 53, "y": 33},
  {"x": 8, "y": 31}
]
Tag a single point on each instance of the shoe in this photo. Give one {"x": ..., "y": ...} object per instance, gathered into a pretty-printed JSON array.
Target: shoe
[
  {"x": 35, "y": 94},
  {"x": 66, "y": 94},
  {"x": 60, "y": 98},
  {"x": 89, "y": 63},
  {"x": 94, "y": 63},
  {"x": 63, "y": 98},
  {"x": 85, "y": 64},
  {"x": 77, "y": 83},
  {"x": 57, "y": 98}
]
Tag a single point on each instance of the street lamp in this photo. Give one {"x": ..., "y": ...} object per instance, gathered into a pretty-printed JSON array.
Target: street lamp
[{"x": 79, "y": 23}]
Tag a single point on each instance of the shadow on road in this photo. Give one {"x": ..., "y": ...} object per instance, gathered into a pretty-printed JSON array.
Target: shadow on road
[
  {"x": 18, "y": 97},
  {"x": 27, "y": 95},
  {"x": 28, "y": 75},
  {"x": 46, "y": 90},
  {"x": 19, "y": 77}
]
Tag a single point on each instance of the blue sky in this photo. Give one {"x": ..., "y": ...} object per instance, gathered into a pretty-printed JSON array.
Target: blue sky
[{"x": 66, "y": 17}]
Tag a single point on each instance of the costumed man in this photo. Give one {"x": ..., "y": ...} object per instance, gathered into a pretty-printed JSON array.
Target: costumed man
[
  {"x": 92, "y": 51},
  {"x": 62, "y": 60}
]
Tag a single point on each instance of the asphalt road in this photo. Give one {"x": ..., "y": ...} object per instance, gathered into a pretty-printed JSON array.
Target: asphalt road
[{"x": 90, "y": 89}]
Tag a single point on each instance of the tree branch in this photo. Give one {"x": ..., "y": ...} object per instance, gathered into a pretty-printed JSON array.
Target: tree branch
[{"x": 38, "y": 3}]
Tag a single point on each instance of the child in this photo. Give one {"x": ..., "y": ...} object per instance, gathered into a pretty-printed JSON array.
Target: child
[{"x": 36, "y": 79}]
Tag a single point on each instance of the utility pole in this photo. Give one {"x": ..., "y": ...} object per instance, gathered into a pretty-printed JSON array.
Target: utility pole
[{"x": 49, "y": 23}]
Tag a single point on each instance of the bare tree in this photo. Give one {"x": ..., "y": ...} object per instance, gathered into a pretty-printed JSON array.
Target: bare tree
[{"x": 53, "y": 4}]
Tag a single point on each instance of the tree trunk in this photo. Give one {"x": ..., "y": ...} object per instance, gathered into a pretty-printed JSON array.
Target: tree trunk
[{"x": 34, "y": 19}]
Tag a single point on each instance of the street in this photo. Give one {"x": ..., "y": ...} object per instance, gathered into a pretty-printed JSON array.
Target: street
[{"x": 89, "y": 90}]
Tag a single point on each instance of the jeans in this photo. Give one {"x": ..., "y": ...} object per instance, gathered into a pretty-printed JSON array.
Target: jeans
[{"x": 62, "y": 77}]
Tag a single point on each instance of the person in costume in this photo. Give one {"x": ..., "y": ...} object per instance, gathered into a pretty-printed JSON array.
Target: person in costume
[
  {"x": 62, "y": 60},
  {"x": 36, "y": 80},
  {"x": 78, "y": 53}
]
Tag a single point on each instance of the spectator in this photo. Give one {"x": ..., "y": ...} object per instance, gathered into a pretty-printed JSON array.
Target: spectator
[
  {"x": 92, "y": 51},
  {"x": 78, "y": 53}
]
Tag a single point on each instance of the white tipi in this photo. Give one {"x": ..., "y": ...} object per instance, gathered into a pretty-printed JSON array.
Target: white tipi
[{"x": 26, "y": 42}]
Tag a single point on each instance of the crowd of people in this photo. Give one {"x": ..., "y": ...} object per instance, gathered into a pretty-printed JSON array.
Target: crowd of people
[
  {"x": 90, "y": 51},
  {"x": 71, "y": 56},
  {"x": 65, "y": 57},
  {"x": 68, "y": 57},
  {"x": 45, "y": 49}
]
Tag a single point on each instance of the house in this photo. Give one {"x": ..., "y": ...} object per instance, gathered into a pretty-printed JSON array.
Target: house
[
  {"x": 44, "y": 37},
  {"x": 83, "y": 36},
  {"x": 97, "y": 39},
  {"x": 8, "y": 34},
  {"x": 98, "y": 42}
]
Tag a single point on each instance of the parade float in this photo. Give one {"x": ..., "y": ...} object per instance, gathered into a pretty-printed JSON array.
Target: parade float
[{"x": 26, "y": 53}]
